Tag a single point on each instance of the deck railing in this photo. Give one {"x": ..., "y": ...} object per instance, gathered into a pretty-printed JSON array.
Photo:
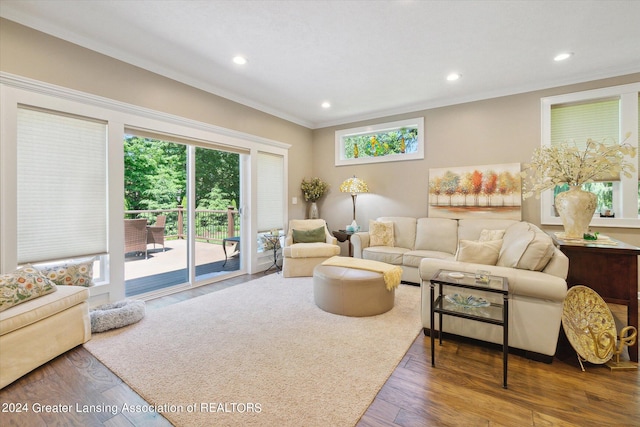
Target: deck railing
[{"x": 210, "y": 225}]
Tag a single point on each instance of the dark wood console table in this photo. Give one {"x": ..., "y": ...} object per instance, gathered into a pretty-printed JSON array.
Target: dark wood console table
[{"x": 610, "y": 270}]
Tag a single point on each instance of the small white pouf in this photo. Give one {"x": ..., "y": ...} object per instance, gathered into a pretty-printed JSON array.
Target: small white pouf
[{"x": 116, "y": 315}]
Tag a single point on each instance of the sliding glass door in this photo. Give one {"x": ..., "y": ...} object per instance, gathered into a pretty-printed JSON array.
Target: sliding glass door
[{"x": 168, "y": 240}]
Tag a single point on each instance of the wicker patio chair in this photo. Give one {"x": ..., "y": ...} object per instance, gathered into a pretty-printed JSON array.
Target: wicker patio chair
[
  {"x": 135, "y": 236},
  {"x": 155, "y": 233}
]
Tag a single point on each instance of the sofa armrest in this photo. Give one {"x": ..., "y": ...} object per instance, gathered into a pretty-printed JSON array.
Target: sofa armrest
[
  {"x": 533, "y": 284},
  {"x": 359, "y": 241},
  {"x": 329, "y": 238}
]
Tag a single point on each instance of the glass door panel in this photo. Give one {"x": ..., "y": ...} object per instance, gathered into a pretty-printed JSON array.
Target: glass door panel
[
  {"x": 156, "y": 252},
  {"x": 217, "y": 220}
]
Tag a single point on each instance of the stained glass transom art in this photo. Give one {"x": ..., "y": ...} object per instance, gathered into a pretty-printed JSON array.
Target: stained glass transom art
[{"x": 385, "y": 142}]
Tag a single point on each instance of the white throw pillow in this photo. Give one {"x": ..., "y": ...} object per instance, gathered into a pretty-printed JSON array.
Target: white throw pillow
[
  {"x": 380, "y": 233},
  {"x": 479, "y": 252}
]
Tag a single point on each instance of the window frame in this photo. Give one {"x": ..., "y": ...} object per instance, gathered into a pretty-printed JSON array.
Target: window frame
[{"x": 625, "y": 191}]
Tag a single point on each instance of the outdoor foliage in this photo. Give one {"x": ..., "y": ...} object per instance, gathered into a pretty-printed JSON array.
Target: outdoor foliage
[{"x": 156, "y": 175}]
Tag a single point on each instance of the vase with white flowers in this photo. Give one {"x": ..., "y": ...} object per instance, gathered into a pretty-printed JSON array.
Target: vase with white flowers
[
  {"x": 569, "y": 164},
  {"x": 312, "y": 190}
]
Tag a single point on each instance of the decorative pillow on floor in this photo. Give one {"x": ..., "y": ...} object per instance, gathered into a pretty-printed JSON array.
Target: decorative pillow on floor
[
  {"x": 23, "y": 285},
  {"x": 71, "y": 273},
  {"x": 316, "y": 235},
  {"x": 479, "y": 252},
  {"x": 380, "y": 233},
  {"x": 116, "y": 315}
]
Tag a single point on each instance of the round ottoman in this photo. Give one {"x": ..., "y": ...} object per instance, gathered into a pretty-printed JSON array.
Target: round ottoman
[{"x": 350, "y": 291}]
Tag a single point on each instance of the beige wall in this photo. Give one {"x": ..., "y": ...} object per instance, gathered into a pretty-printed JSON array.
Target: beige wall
[
  {"x": 29, "y": 53},
  {"x": 500, "y": 130}
]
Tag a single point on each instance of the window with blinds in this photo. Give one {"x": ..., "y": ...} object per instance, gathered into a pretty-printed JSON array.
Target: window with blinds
[
  {"x": 576, "y": 123},
  {"x": 270, "y": 209},
  {"x": 61, "y": 186}
]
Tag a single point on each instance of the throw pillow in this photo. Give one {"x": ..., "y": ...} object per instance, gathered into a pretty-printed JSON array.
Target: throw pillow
[
  {"x": 380, "y": 233},
  {"x": 309, "y": 236},
  {"x": 479, "y": 252},
  {"x": 525, "y": 247},
  {"x": 70, "y": 273},
  {"x": 486, "y": 235},
  {"x": 23, "y": 285}
]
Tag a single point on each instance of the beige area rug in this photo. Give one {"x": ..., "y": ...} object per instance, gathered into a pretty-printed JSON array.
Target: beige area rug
[{"x": 260, "y": 353}]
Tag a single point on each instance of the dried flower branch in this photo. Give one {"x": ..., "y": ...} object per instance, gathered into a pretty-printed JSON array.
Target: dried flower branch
[
  {"x": 560, "y": 164},
  {"x": 313, "y": 189}
]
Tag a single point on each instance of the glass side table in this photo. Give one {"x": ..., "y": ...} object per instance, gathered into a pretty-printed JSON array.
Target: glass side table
[{"x": 470, "y": 307}]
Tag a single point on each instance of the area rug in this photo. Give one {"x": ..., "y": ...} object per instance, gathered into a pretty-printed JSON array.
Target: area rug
[{"x": 260, "y": 353}]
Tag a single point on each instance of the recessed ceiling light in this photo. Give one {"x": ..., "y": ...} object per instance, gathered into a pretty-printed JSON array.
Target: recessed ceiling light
[
  {"x": 326, "y": 104},
  {"x": 453, "y": 77},
  {"x": 563, "y": 56},
  {"x": 240, "y": 60}
]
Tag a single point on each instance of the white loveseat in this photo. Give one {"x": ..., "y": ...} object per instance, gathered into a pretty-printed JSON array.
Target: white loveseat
[{"x": 526, "y": 256}]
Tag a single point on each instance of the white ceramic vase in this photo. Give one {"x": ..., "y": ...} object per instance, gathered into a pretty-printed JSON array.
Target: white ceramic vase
[
  {"x": 314, "y": 213},
  {"x": 576, "y": 208}
]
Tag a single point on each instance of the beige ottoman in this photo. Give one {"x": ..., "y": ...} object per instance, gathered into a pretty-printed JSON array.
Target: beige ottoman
[{"x": 350, "y": 291}]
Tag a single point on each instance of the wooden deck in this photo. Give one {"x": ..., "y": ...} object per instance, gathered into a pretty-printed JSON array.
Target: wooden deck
[{"x": 165, "y": 268}]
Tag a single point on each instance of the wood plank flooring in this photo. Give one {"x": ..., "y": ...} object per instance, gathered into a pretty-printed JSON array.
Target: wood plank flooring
[{"x": 464, "y": 389}]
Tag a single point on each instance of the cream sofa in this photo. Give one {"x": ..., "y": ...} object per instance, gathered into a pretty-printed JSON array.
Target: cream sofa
[
  {"x": 38, "y": 330},
  {"x": 535, "y": 268}
]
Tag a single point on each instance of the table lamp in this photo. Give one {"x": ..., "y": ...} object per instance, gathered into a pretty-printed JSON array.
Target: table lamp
[{"x": 354, "y": 186}]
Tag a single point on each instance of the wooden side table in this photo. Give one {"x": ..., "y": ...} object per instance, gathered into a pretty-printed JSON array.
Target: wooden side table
[
  {"x": 610, "y": 270},
  {"x": 344, "y": 236}
]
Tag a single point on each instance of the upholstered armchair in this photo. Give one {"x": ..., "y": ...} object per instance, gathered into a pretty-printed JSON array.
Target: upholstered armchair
[{"x": 307, "y": 244}]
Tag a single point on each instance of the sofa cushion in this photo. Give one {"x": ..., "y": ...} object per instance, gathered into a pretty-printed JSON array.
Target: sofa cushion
[
  {"x": 388, "y": 254},
  {"x": 380, "y": 233},
  {"x": 413, "y": 258},
  {"x": 486, "y": 252},
  {"x": 309, "y": 236},
  {"x": 525, "y": 247},
  {"x": 311, "y": 250},
  {"x": 437, "y": 234},
  {"x": 22, "y": 285},
  {"x": 404, "y": 230},
  {"x": 71, "y": 273},
  {"x": 41, "y": 308}
]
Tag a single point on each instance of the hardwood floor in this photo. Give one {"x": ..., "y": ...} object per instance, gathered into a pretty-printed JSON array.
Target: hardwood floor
[{"x": 464, "y": 389}]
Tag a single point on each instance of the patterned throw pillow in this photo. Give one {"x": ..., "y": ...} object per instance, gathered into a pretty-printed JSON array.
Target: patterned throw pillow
[
  {"x": 72, "y": 273},
  {"x": 486, "y": 235},
  {"x": 380, "y": 233},
  {"x": 23, "y": 285}
]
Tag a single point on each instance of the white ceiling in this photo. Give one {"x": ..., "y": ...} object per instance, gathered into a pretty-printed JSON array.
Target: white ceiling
[{"x": 368, "y": 58}]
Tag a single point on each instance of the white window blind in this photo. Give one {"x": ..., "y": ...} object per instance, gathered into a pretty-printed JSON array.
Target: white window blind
[
  {"x": 61, "y": 185},
  {"x": 270, "y": 175},
  {"x": 598, "y": 120}
]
